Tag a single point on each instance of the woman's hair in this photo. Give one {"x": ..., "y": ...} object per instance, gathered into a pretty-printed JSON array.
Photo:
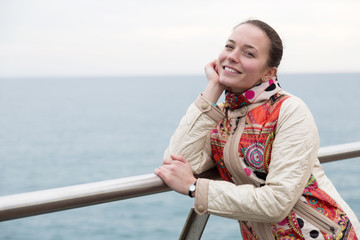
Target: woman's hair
[{"x": 276, "y": 47}]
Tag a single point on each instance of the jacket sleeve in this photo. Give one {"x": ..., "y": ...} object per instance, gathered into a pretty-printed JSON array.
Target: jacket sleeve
[
  {"x": 294, "y": 152},
  {"x": 192, "y": 137}
]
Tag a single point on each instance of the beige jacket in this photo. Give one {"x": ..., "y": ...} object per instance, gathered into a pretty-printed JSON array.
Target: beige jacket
[{"x": 243, "y": 201}]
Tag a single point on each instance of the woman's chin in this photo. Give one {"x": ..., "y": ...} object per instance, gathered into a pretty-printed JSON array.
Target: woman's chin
[{"x": 227, "y": 84}]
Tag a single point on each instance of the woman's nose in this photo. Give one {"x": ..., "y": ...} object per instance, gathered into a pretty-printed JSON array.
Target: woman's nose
[{"x": 234, "y": 56}]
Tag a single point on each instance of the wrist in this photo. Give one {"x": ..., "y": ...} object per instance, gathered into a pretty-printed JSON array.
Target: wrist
[{"x": 213, "y": 92}]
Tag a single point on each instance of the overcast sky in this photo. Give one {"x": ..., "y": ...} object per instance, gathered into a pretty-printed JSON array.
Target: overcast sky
[{"x": 153, "y": 37}]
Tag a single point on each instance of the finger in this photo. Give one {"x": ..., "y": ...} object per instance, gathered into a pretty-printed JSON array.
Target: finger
[
  {"x": 179, "y": 158},
  {"x": 216, "y": 66},
  {"x": 211, "y": 72},
  {"x": 157, "y": 171},
  {"x": 210, "y": 66},
  {"x": 160, "y": 172},
  {"x": 168, "y": 161}
]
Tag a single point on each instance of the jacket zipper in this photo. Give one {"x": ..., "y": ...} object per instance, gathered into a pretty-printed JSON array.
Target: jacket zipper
[{"x": 320, "y": 221}]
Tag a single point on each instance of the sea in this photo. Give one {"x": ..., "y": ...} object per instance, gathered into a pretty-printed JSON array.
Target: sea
[{"x": 57, "y": 132}]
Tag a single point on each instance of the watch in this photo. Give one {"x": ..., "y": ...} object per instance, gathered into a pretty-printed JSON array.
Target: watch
[{"x": 192, "y": 189}]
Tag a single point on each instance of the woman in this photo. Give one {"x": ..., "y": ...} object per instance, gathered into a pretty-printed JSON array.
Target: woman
[{"x": 264, "y": 143}]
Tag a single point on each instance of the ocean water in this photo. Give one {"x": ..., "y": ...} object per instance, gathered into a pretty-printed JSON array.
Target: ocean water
[{"x": 57, "y": 132}]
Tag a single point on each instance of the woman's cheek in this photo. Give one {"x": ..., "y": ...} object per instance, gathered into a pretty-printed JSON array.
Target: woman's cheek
[{"x": 249, "y": 66}]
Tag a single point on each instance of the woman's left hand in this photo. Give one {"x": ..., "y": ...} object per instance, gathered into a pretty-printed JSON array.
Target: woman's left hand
[{"x": 176, "y": 172}]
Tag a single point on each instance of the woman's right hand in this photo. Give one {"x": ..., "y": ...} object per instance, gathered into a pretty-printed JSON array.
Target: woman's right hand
[
  {"x": 214, "y": 89},
  {"x": 211, "y": 72}
]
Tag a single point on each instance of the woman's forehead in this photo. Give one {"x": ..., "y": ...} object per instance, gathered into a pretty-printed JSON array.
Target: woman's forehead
[{"x": 251, "y": 35}]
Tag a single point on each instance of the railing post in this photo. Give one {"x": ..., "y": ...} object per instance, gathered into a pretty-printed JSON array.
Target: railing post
[{"x": 194, "y": 226}]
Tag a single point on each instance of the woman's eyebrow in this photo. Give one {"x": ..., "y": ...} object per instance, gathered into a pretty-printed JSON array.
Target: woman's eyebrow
[{"x": 245, "y": 46}]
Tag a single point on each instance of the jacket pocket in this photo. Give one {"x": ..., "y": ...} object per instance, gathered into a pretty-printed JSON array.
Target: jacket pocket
[{"x": 323, "y": 223}]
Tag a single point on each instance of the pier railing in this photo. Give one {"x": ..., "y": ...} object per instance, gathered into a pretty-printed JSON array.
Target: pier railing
[{"x": 57, "y": 199}]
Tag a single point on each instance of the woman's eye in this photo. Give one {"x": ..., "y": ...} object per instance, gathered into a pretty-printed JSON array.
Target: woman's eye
[
  {"x": 228, "y": 46},
  {"x": 249, "y": 54}
]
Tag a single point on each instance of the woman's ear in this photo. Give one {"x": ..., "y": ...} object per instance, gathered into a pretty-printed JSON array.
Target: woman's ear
[{"x": 270, "y": 73}]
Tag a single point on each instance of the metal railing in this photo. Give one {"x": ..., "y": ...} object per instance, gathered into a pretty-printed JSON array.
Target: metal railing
[{"x": 57, "y": 199}]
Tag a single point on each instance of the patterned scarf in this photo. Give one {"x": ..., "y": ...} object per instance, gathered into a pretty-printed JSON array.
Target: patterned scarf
[
  {"x": 260, "y": 92},
  {"x": 220, "y": 134}
]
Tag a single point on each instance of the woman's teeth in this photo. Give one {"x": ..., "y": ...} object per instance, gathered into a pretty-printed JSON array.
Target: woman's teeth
[{"x": 230, "y": 70}]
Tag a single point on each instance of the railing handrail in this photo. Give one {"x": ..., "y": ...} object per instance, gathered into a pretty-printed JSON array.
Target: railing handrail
[
  {"x": 57, "y": 199},
  {"x": 339, "y": 152}
]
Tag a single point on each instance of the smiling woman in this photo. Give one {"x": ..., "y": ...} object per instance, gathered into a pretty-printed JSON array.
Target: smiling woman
[
  {"x": 245, "y": 60},
  {"x": 264, "y": 143}
]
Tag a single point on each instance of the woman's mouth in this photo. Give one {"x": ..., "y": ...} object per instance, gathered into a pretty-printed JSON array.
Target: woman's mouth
[{"x": 229, "y": 69}]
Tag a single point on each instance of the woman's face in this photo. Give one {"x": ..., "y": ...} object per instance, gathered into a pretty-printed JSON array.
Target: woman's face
[{"x": 243, "y": 62}]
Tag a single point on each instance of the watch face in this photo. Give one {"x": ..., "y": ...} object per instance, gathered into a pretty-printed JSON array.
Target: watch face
[{"x": 192, "y": 188}]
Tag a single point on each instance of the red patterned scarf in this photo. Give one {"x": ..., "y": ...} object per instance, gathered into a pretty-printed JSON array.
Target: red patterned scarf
[
  {"x": 260, "y": 92},
  {"x": 219, "y": 135}
]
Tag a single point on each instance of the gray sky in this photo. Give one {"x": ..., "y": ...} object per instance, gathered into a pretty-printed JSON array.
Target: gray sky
[{"x": 154, "y": 37}]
